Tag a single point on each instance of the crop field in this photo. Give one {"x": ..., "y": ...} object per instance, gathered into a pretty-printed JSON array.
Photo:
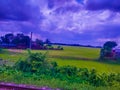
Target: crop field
[
  {"x": 80, "y": 57},
  {"x": 74, "y": 56},
  {"x": 76, "y": 53}
]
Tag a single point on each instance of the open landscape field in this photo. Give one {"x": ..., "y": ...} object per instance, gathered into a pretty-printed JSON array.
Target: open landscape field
[
  {"x": 60, "y": 44},
  {"x": 75, "y": 56},
  {"x": 80, "y": 57}
]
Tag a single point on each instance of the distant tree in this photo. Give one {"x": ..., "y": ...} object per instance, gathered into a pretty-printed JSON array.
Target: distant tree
[
  {"x": 47, "y": 41},
  {"x": 107, "y": 48},
  {"x": 26, "y": 40},
  {"x": 39, "y": 42},
  {"x": 21, "y": 39},
  {"x": 7, "y": 38},
  {"x": 60, "y": 47}
]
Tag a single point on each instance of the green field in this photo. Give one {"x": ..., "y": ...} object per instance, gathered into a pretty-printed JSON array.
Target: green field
[
  {"x": 74, "y": 56},
  {"x": 80, "y": 57},
  {"x": 68, "y": 53}
]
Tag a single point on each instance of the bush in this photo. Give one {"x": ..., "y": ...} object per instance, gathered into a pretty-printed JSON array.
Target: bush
[
  {"x": 2, "y": 62},
  {"x": 68, "y": 70},
  {"x": 34, "y": 63},
  {"x": 1, "y": 50},
  {"x": 60, "y": 47},
  {"x": 49, "y": 46}
]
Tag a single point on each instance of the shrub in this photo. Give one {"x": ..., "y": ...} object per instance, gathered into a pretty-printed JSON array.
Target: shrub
[
  {"x": 1, "y": 50},
  {"x": 49, "y": 46},
  {"x": 35, "y": 62},
  {"x": 2, "y": 62},
  {"x": 68, "y": 70},
  {"x": 60, "y": 47}
]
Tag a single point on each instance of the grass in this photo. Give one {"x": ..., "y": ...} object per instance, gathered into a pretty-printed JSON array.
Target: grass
[
  {"x": 54, "y": 83},
  {"x": 68, "y": 52},
  {"x": 74, "y": 52},
  {"x": 101, "y": 67},
  {"x": 70, "y": 56}
]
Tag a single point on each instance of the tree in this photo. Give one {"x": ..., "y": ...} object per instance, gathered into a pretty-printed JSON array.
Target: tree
[
  {"x": 21, "y": 39},
  {"x": 7, "y": 38},
  {"x": 60, "y": 47},
  {"x": 39, "y": 42},
  {"x": 47, "y": 41},
  {"x": 110, "y": 44},
  {"x": 107, "y": 48},
  {"x": 48, "y": 44}
]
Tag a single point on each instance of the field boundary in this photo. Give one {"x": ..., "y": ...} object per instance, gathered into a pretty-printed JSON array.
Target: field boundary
[
  {"x": 12, "y": 86},
  {"x": 76, "y": 58}
]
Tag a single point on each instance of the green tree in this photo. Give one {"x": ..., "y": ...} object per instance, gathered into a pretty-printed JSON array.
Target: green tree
[
  {"x": 21, "y": 39},
  {"x": 39, "y": 42},
  {"x": 107, "y": 48},
  {"x": 7, "y": 38}
]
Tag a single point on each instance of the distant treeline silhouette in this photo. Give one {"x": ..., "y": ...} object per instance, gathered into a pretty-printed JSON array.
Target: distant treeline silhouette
[{"x": 21, "y": 41}]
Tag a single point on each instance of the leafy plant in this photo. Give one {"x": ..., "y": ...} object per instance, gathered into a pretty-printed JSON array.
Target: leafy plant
[{"x": 36, "y": 64}]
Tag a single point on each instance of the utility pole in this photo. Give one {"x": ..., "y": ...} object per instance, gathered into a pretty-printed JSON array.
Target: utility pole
[{"x": 30, "y": 40}]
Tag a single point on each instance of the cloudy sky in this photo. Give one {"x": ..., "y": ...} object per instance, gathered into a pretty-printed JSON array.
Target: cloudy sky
[{"x": 66, "y": 21}]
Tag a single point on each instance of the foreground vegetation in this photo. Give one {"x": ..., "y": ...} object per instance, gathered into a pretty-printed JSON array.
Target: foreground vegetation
[
  {"x": 101, "y": 67},
  {"x": 36, "y": 69}
]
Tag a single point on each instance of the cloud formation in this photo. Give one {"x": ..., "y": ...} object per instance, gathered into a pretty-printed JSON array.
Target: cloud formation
[
  {"x": 113, "y": 5},
  {"x": 67, "y": 21},
  {"x": 18, "y": 10}
]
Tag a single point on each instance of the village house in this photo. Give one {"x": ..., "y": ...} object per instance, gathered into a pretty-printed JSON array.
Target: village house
[{"x": 117, "y": 51}]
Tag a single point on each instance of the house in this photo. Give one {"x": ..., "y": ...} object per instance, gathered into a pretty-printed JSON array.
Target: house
[{"x": 117, "y": 52}]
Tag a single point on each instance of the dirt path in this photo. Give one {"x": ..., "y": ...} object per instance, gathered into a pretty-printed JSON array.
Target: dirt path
[
  {"x": 16, "y": 50},
  {"x": 12, "y": 86}
]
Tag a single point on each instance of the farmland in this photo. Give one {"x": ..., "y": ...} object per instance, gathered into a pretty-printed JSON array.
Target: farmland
[
  {"x": 76, "y": 56},
  {"x": 79, "y": 57}
]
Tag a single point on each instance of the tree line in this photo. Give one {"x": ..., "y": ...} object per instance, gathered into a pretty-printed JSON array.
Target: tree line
[
  {"x": 20, "y": 39},
  {"x": 23, "y": 41}
]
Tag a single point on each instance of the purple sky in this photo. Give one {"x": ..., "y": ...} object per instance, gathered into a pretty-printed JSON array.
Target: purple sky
[{"x": 66, "y": 21}]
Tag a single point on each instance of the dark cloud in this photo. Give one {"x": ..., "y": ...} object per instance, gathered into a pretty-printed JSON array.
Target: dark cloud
[
  {"x": 66, "y": 9},
  {"x": 80, "y": 1},
  {"x": 51, "y": 4},
  {"x": 61, "y": 20},
  {"x": 113, "y": 5},
  {"x": 20, "y": 10}
]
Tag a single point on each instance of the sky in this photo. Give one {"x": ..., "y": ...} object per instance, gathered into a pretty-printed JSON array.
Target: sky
[{"x": 86, "y": 22}]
